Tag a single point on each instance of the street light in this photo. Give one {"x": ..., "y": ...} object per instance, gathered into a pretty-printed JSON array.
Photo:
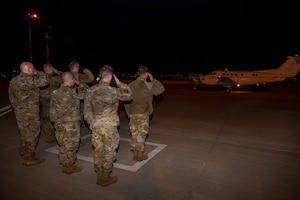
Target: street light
[
  {"x": 47, "y": 38},
  {"x": 30, "y": 16}
]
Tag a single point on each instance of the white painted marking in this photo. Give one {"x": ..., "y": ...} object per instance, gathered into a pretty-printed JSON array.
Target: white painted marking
[
  {"x": 135, "y": 167},
  {"x": 5, "y": 110}
]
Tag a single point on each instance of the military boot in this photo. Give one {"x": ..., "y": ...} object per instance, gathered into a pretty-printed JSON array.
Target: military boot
[
  {"x": 105, "y": 179},
  {"x": 134, "y": 152},
  {"x": 99, "y": 176},
  {"x": 31, "y": 160},
  {"x": 141, "y": 156},
  {"x": 69, "y": 169}
]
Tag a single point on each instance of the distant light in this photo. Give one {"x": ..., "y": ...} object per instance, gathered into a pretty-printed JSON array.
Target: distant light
[{"x": 32, "y": 15}]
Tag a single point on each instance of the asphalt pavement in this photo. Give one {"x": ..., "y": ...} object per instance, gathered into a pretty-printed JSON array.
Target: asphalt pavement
[{"x": 202, "y": 145}]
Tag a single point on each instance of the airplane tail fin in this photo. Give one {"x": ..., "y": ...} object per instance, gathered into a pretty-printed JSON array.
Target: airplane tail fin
[{"x": 290, "y": 67}]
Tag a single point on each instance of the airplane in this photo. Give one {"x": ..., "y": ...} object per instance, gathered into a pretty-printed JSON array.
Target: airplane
[{"x": 235, "y": 79}]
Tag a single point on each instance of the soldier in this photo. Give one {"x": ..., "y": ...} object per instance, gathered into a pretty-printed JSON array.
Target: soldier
[
  {"x": 101, "y": 113},
  {"x": 54, "y": 76},
  {"x": 65, "y": 114},
  {"x": 24, "y": 97},
  {"x": 140, "y": 109},
  {"x": 84, "y": 76}
]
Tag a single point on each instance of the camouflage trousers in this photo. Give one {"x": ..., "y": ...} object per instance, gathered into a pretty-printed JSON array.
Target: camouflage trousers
[
  {"x": 81, "y": 113},
  {"x": 105, "y": 142},
  {"x": 139, "y": 129},
  {"x": 47, "y": 128},
  {"x": 29, "y": 129},
  {"x": 68, "y": 137}
]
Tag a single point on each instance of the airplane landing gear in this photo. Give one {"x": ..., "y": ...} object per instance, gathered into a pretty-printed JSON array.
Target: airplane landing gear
[{"x": 228, "y": 90}]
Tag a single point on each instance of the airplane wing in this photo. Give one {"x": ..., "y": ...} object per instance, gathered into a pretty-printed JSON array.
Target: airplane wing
[{"x": 220, "y": 82}]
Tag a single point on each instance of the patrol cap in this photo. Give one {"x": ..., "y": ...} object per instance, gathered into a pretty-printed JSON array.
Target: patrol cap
[{"x": 142, "y": 70}]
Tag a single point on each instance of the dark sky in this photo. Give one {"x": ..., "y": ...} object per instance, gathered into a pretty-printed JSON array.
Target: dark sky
[{"x": 167, "y": 36}]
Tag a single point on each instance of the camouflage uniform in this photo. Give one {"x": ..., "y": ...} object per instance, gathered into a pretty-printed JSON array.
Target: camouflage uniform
[
  {"x": 140, "y": 109},
  {"x": 86, "y": 77},
  {"x": 47, "y": 127},
  {"x": 24, "y": 97},
  {"x": 101, "y": 112},
  {"x": 65, "y": 114}
]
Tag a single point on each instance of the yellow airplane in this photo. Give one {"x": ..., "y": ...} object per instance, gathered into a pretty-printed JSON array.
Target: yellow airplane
[{"x": 235, "y": 79}]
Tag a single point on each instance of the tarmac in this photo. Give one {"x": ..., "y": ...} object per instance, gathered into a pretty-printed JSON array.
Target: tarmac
[{"x": 202, "y": 145}]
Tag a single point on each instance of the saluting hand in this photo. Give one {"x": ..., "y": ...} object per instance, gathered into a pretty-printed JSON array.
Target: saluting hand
[
  {"x": 76, "y": 82},
  {"x": 116, "y": 79},
  {"x": 150, "y": 76},
  {"x": 55, "y": 70},
  {"x": 35, "y": 71}
]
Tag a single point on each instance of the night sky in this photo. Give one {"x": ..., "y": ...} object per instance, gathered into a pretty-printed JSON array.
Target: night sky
[{"x": 167, "y": 36}]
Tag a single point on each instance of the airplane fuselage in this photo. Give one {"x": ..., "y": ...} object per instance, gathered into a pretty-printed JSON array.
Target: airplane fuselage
[{"x": 242, "y": 77}]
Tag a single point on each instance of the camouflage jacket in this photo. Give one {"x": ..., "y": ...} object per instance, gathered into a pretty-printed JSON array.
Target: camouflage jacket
[
  {"x": 101, "y": 103},
  {"x": 24, "y": 91},
  {"x": 142, "y": 95},
  {"x": 86, "y": 77},
  {"x": 46, "y": 91},
  {"x": 65, "y": 104}
]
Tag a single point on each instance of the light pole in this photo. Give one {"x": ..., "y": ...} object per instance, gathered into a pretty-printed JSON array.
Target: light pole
[
  {"x": 47, "y": 38},
  {"x": 29, "y": 16}
]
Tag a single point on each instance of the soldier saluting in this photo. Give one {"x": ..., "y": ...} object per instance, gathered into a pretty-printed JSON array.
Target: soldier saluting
[
  {"x": 65, "y": 114},
  {"x": 23, "y": 93}
]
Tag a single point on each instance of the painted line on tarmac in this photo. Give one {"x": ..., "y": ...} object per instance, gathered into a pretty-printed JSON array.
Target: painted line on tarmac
[
  {"x": 5, "y": 110},
  {"x": 133, "y": 168}
]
